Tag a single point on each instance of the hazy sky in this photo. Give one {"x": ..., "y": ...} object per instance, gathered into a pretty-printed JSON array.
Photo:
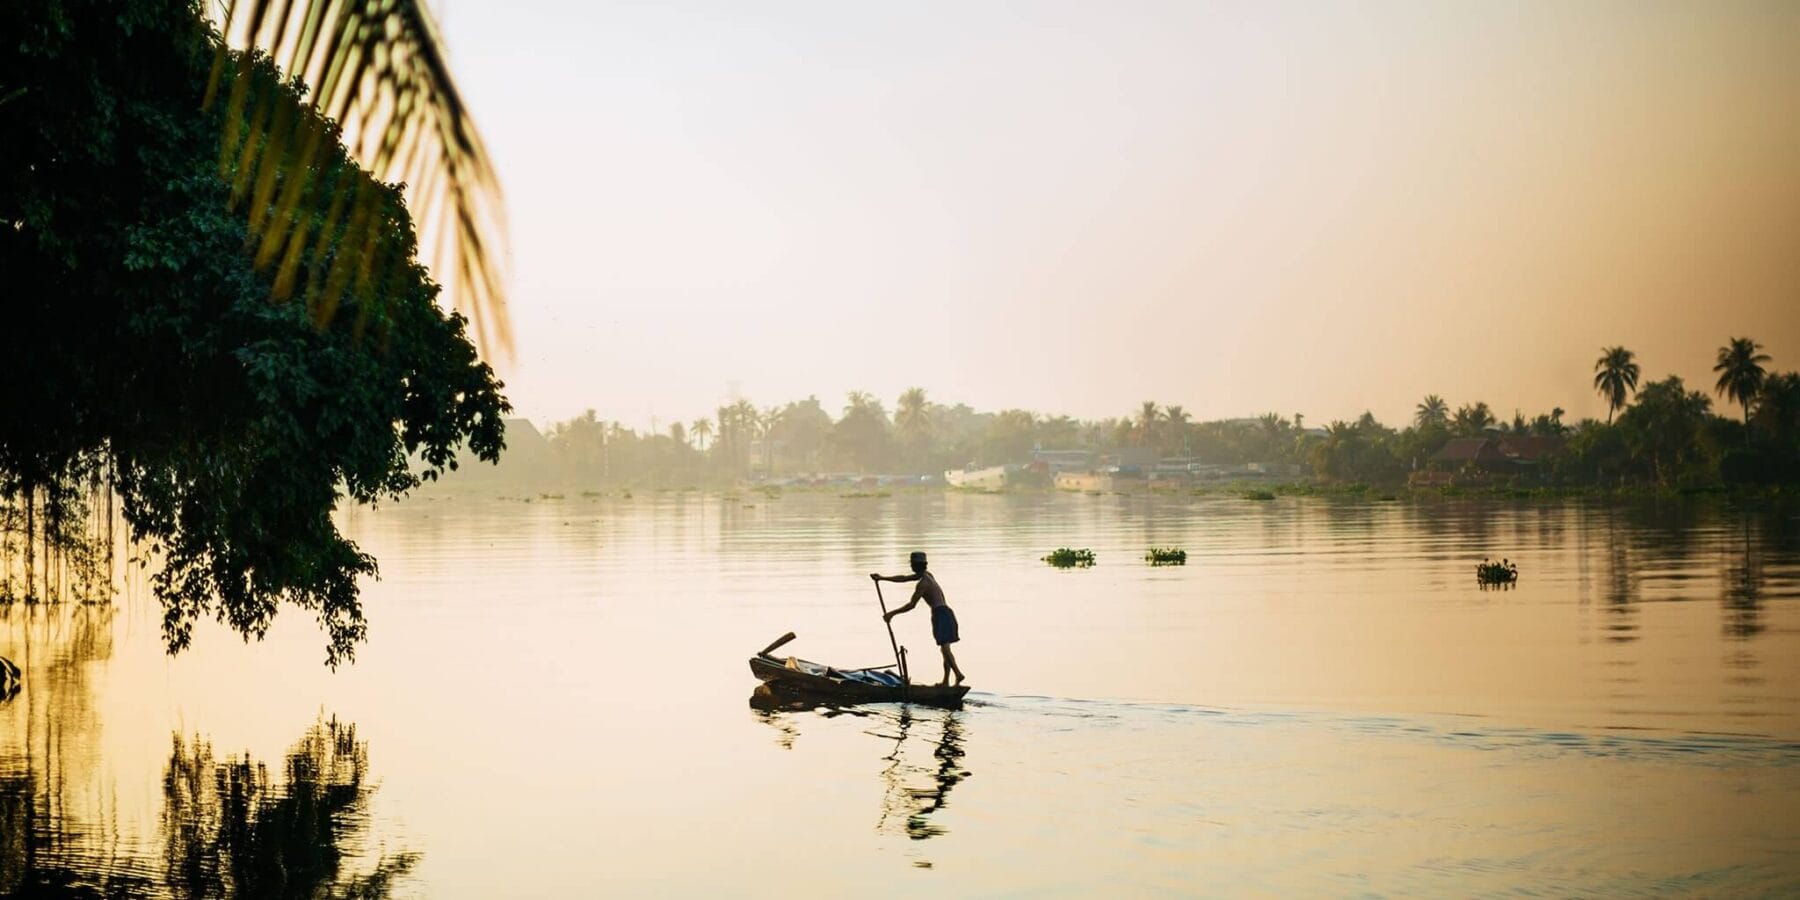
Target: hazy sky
[{"x": 1072, "y": 207}]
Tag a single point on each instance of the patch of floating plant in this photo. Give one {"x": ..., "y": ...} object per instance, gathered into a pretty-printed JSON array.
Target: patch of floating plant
[
  {"x": 1070, "y": 558},
  {"x": 1504, "y": 573},
  {"x": 863, "y": 495},
  {"x": 1166, "y": 556},
  {"x": 1259, "y": 495}
]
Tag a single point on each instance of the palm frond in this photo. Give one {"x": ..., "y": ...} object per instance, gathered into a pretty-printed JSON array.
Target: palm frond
[{"x": 377, "y": 68}]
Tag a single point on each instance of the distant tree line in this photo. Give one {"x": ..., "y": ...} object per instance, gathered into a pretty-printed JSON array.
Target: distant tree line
[{"x": 1657, "y": 434}]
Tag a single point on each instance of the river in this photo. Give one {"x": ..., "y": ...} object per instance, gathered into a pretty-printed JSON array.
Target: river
[{"x": 554, "y": 701}]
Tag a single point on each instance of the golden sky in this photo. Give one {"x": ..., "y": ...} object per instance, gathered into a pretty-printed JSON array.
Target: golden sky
[{"x": 1072, "y": 207}]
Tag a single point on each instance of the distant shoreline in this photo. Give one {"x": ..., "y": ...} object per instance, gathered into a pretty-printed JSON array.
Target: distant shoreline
[{"x": 1246, "y": 490}]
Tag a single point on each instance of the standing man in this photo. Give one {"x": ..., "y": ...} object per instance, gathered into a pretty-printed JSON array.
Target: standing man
[{"x": 943, "y": 621}]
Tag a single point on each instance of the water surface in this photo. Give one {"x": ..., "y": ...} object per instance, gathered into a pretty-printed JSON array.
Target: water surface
[{"x": 555, "y": 701}]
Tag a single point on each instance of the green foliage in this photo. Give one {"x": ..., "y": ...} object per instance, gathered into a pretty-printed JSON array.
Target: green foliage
[
  {"x": 231, "y": 421},
  {"x": 1363, "y": 451},
  {"x": 1665, "y": 432},
  {"x": 1071, "y": 558},
  {"x": 1166, "y": 556},
  {"x": 1258, "y": 494}
]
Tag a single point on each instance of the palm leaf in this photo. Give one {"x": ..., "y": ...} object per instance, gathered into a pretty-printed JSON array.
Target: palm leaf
[{"x": 377, "y": 69}]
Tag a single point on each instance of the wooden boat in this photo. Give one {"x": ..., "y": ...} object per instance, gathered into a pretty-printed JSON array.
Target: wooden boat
[{"x": 875, "y": 684}]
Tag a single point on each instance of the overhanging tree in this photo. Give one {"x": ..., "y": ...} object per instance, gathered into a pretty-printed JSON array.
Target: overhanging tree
[{"x": 143, "y": 337}]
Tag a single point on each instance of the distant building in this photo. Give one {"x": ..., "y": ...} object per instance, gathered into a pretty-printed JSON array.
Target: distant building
[
  {"x": 1053, "y": 461},
  {"x": 1497, "y": 452}
]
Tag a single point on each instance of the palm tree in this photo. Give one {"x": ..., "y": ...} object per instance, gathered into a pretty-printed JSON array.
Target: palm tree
[
  {"x": 1741, "y": 372},
  {"x": 1432, "y": 411},
  {"x": 912, "y": 419},
  {"x": 701, "y": 430},
  {"x": 857, "y": 401},
  {"x": 1615, "y": 377},
  {"x": 378, "y": 69},
  {"x": 743, "y": 414},
  {"x": 1473, "y": 420},
  {"x": 1177, "y": 420},
  {"x": 771, "y": 420},
  {"x": 910, "y": 413},
  {"x": 1147, "y": 419}
]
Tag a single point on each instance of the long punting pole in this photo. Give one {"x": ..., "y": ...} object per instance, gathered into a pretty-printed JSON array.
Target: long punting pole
[{"x": 899, "y": 660}]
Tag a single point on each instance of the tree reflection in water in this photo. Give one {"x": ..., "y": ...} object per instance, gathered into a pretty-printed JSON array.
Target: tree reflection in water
[
  {"x": 231, "y": 829},
  {"x": 1741, "y": 587},
  {"x": 914, "y": 789}
]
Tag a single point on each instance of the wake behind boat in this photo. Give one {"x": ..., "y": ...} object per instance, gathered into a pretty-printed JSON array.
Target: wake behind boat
[{"x": 875, "y": 684}]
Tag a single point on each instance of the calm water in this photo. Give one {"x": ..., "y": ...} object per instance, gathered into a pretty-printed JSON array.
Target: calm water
[{"x": 555, "y": 702}]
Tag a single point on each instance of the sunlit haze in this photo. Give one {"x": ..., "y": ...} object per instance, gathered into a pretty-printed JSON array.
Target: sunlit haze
[{"x": 1073, "y": 207}]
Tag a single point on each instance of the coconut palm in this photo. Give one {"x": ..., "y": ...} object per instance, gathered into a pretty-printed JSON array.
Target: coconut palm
[
  {"x": 1741, "y": 372},
  {"x": 771, "y": 419},
  {"x": 701, "y": 430},
  {"x": 377, "y": 69},
  {"x": 1615, "y": 377},
  {"x": 1432, "y": 412},
  {"x": 912, "y": 421},
  {"x": 1472, "y": 420},
  {"x": 1177, "y": 419},
  {"x": 1148, "y": 418},
  {"x": 911, "y": 415}
]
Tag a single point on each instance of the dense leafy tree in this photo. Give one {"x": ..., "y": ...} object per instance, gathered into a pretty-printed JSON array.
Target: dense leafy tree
[
  {"x": 1010, "y": 438},
  {"x": 1362, "y": 451},
  {"x": 229, "y": 420},
  {"x": 1664, "y": 430},
  {"x": 864, "y": 439}
]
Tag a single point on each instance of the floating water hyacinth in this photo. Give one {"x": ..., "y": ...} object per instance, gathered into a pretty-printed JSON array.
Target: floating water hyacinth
[
  {"x": 1068, "y": 558},
  {"x": 1166, "y": 556},
  {"x": 1490, "y": 574},
  {"x": 1258, "y": 495}
]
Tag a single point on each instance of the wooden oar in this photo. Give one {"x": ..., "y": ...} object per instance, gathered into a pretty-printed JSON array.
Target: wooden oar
[{"x": 899, "y": 660}]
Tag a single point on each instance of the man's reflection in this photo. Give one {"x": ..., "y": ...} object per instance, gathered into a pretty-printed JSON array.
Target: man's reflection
[{"x": 924, "y": 763}]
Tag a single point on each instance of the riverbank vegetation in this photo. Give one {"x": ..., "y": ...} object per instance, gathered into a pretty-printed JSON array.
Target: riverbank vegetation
[{"x": 1658, "y": 436}]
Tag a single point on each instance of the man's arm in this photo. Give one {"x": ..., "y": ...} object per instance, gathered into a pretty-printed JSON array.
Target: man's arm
[
  {"x": 909, "y": 605},
  {"x": 879, "y": 577}
]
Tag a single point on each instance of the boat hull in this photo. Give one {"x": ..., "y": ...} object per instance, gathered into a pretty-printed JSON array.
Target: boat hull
[{"x": 823, "y": 682}]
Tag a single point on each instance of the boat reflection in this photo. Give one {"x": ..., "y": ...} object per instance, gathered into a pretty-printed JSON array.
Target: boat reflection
[{"x": 923, "y": 764}]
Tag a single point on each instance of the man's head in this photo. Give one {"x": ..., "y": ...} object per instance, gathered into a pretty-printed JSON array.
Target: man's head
[{"x": 918, "y": 561}]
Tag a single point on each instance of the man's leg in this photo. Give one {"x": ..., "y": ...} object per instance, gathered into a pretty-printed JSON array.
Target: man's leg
[{"x": 950, "y": 665}]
